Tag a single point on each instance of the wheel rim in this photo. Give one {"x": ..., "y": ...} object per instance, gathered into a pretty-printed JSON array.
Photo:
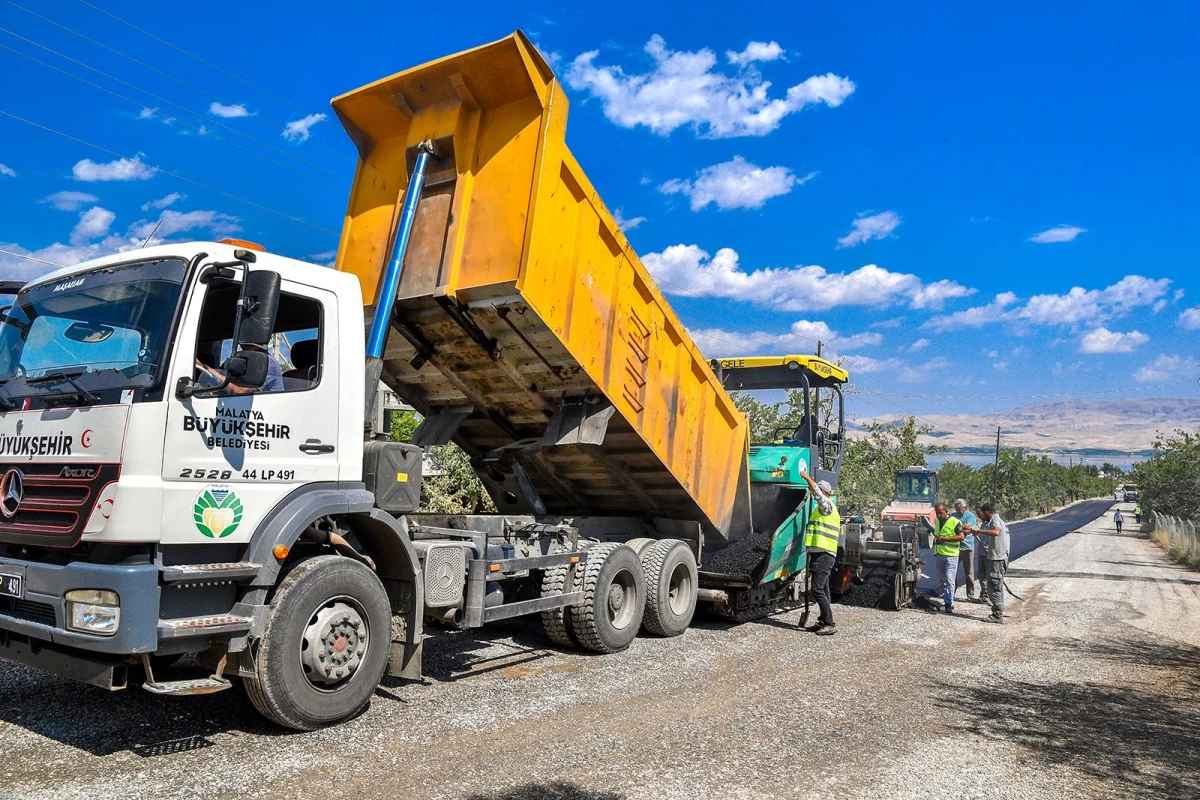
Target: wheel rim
[
  {"x": 679, "y": 590},
  {"x": 335, "y": 643},
  {"x": 622, "y": 600}
]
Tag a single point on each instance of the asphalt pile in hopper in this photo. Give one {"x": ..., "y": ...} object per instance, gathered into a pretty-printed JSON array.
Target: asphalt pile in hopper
[{"x": 739, "y": 558}]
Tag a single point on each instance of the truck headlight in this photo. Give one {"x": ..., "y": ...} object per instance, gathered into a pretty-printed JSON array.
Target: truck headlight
[{"x": 93, "y": 611}]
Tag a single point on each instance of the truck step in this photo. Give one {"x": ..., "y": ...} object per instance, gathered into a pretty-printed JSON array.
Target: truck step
[
  {"x": 217, "y": 624},
  {"x": 195, "y": 573},
  {"x": 191, "y": 686}
]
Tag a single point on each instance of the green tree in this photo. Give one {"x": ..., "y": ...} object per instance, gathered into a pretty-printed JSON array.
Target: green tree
[
  {"x": 456, "y": 488},
  {"x": 1169, "y": 481},
  {"x": 867, "y": 480}
]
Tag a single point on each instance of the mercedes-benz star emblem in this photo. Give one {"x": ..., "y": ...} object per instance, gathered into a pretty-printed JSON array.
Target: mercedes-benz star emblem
[{"x": 12, "y": 492}]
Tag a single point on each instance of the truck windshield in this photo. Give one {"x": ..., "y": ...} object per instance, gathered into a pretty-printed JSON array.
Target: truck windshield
[
  {"x": 107, "y": 328},
  {"x": 914, "y": 487}
]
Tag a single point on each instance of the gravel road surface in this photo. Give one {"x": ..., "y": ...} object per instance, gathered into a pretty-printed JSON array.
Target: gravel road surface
[{"x": 1089, "y": 690}]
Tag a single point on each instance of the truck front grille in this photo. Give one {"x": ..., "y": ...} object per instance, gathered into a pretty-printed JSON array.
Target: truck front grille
[
  {"x": 59, "y": 499},
  {"x": 27, "y": 610}
]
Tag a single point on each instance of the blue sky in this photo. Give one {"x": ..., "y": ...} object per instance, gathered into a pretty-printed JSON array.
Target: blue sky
[{"x": 960, "y": 201}]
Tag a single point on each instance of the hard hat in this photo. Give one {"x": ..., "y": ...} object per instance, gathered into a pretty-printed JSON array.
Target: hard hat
[{"x": 824, "y": 486}]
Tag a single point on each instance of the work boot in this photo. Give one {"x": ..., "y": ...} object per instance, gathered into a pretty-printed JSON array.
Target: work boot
[
  {"x": 827, "y": 630},
  {"x": 950, "y": 609},
  {"x": 815, "y": 628},
  {"x": 996, "y": 618}
]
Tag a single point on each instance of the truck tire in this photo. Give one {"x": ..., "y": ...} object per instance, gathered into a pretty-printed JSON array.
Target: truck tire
[
  {"x": 671, "y": 584},
  {"x": 614, "y": 599},
  {"x": 325, "y": 646},
  {"x": 556, "y": 621}
]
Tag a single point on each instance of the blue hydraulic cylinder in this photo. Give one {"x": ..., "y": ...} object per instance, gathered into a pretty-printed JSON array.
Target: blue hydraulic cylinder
[{"x": 391, "y": 279}]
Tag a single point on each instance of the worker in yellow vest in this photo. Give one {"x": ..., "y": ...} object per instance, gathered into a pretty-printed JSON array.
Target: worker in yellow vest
[
  {"x": 946, "y": 538},
  {"x": 821, "y": 537}
]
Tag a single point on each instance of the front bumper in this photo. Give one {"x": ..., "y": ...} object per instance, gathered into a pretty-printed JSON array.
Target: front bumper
[{"x": 41, "y": 615}]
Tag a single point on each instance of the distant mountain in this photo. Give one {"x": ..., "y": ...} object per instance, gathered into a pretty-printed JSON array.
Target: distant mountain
[{"x": 1080, "y": 426}]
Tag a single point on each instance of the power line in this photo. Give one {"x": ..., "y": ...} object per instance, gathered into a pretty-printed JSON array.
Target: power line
[
  {"x": 1045, "y": 396},
  {"x": 161, "y": 99},
  {"x": 769, "y": 338},
  {"x": 165, "y": 74},
  {"x": 196, "y": 57},
  {"x": 199, "y": 130},
  {"x": 168, "y": 173}
]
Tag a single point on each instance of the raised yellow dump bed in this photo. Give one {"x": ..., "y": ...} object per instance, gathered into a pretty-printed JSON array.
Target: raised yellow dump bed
[{"x": 522, "y": 308}]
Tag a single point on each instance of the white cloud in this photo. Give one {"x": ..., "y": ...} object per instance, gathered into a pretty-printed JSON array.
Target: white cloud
[
  {"x": 626, "y": 224},
  {"x": 919, "y": 344},
  {"x": 735, "y": 184},
  {"x": 298, "y": 130},
  {"x": 66, "y": 255},
  {"x": 70, "y": 201},
  {"x": 1189, "y": 320},
  {"x": 228, "y": 112},
  {"x": 993, "y": 354},
  {"x": 1102, "y": 340},
  {"x": 177, "y": 222},
  {"x": 801, "y": 337},
  {"x": 755, "y": 51},
  {"x": 904, "y": 370},
  {"x": 1059, "y": 233},
  {"x": 1179, "y": 293},
  {"x": 687, "y": 269},
  {"x": 1079, "y": 306},
  {"x": 1163, "y": 368},
  {"x": 683, "y": 89},
  {"x": 934, "y": 295},
  {"x": 7, "y": 171},
  {"x": 866, "y": 228},
  {"x": 326, "y": 259},
  {"x": 1000, "y": 366},
  {"x": 1160, "y": 305},
  {"x": 123, "y": 169},
  {"x": 147, "y": 113},
  {"x": 163, "y": 202},
  {"x": 92, "y": 224}
]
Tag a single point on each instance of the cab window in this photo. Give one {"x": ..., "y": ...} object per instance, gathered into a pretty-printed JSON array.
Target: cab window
[{"x": 294, "y": 352}]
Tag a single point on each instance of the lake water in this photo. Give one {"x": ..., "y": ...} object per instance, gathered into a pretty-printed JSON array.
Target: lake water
[{"x": 979, "y": 459}]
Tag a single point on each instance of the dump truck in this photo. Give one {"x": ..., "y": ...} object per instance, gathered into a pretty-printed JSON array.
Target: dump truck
[{"x": 190, "y": 460}]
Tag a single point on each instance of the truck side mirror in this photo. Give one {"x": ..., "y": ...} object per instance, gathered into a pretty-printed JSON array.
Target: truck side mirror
[
  {"x": 260, "y": 305},
  {"x": 247, "y": 368}
]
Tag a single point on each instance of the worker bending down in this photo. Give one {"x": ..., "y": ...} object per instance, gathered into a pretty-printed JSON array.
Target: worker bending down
[
  {"x": 946, "y": 538},
  {"x": 821, "y": 545}
]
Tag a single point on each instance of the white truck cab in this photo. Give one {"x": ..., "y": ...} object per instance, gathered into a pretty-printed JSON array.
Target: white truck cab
[{"x": 151, "y": 493}]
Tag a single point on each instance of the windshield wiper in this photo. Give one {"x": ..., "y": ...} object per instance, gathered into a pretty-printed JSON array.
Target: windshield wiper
[
  {"x": 5, "y": 403},
  {"x": 65, "y": 376}
]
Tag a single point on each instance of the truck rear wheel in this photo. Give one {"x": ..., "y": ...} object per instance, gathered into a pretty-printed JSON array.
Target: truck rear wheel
[
  {"x": 556, "y": 621},
  {"x": 671, "y": 583},
  {"x": 614, "y": 598},
  {"x": 325, "y": 646}
]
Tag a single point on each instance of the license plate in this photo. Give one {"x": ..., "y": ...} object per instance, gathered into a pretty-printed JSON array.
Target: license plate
[{"x": 12, "y": 585}]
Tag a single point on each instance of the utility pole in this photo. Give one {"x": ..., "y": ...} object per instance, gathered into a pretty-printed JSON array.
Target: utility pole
[
  {"x": 820, "y": 344},
  {"x": 996, "y": 471}
]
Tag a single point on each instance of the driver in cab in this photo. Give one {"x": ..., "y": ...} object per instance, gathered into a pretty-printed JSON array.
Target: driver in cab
[{"x": 214, "y": 376}]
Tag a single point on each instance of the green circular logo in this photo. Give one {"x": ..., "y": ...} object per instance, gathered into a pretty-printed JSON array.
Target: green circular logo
[{"x": 217, "y": 511}]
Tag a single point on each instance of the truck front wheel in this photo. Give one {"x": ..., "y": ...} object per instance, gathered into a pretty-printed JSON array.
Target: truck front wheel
[{"x": 325, "y": 646}]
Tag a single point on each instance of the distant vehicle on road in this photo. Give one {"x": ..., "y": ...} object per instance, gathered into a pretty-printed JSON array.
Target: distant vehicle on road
[{"x": 1130, "y": 491}]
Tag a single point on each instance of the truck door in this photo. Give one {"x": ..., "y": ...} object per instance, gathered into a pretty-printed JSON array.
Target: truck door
[{"x": 231, "y": 457}]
